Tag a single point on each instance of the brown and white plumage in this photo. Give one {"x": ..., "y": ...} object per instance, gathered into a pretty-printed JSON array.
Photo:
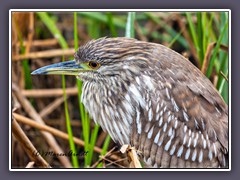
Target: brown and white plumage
[
  {"x": 151, "y": 97},
  {"x": 146, "y": 95}
]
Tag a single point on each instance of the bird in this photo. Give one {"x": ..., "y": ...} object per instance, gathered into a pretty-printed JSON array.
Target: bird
[{"x": 148, "y": 96}]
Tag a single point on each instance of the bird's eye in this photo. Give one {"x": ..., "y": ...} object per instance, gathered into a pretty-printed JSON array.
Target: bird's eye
[{"x": 93, "y": 65}]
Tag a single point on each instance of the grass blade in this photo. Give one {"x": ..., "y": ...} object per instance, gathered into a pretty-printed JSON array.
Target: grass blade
[
  {"x": 111, "y": 24},
  {"x": 84, "y": 117},
  {"x": 192, "y": 30},
  {"x": 216, "y": 49},
  {"x": 68, "y": 124},
  {"x": 53, "y": 28},
  {"x": 200, "y": 37},
  {"x": 92, "y": 144},
  {"x": 176, "y": 36},
  {"x": 130, "y": 25},
  {"x": 102, "y": 18}
]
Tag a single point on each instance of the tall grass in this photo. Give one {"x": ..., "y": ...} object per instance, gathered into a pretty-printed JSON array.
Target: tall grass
[
  {"x": 46, "y": 19},
  {"x": 203, "y": 33},
  {"x": 84, "y": 116}
]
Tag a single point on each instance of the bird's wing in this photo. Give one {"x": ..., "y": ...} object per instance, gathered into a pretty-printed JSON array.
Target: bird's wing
[{"x": 187, "y": 125}]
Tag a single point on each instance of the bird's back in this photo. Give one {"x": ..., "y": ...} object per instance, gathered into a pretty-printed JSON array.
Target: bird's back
[{"x": 185, "y": 120}]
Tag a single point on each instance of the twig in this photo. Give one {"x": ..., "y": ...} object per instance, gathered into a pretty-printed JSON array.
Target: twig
[
  {"x": 114, "y": 162},
  {"x": 132, "y": 155},
  {"x": 49, "y": 92},
  {"x": 207, "y": 57},
  {"x": 104, "y": 157},
  {"x": 55, "y": 132},
  {"x": 100, "y": 159},
  {"x": 56, "y": 122},
  {"x": 27, "y": 145},
  {"x": 45, "y": 54},
  {"x": 30, "y": 165},
  {"x": 224, "y": 76},
  {"x": 34, "y": 115}
]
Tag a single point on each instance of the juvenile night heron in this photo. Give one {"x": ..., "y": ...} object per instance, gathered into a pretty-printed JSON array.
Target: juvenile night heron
[{"x": 146, "y": 95}]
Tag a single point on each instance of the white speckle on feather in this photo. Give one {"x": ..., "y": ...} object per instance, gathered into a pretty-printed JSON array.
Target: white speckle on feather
[
  {"x": 185, "y": 129},
  {"x": 185, "y": 116},
  {"x": 158, "y": 108},
  {"x": 167, "y": 146},
  {"x": 137, "y": 95},
  {"x": 175, "y": 104},
  {"x": 172, "y": 150},
  {"x": 189, "y": 142},
  {"x": 165, "y": 127},
  {"x": 200, "y": 158},
  {"x": 175, "y": 123},
  {"x": 210, "y": 154},
  {"x": 195, "y": 140},
  {"x": 150, "y": 133},
  {"x": 203, "y": 124},
  {"x": 189, "y": 132},
  {"x": 157, "y": 137},
  {"x": 148, "y": 81},
  {"x": 138, "y": 80},
  {"x": 160, "y": 141},
  {"x": 139, "y": 124},
  {"x": 180, "y": 151},
  {"x": 167, "y": 93},
  {"x": 194, "y": 155},
  {"x": 127, "y": 97},
  {"x": 150, "y": 114},
  {"x": 187, "y": 154},
  {"x": 161, "y": 121},
  {"x": 215, "y": 149},
  {"x": 170, "y": 132}
]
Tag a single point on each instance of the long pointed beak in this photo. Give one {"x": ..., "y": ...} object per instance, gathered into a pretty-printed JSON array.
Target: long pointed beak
[{"x": 63, "y": 68}]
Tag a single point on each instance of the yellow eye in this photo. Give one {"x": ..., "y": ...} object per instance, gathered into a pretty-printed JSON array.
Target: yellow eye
[{"x": 93, "y": 64}]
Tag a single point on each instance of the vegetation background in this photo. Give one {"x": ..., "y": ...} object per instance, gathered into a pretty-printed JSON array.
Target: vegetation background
[{"x": 47, "y": 113}]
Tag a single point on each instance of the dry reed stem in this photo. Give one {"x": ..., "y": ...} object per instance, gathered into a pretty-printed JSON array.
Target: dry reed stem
[
  {"x": 38, "y": 93},
  {"x": 115, "y": 162},
  {"x": 34, "y": 115},
  {"x": 101, "y": 138},
  {"x": 104, "y": 157},
  {"x": 30, "y": 165},
  {"x": 132, "y": 156},
  {"x": 51, "y": 107},
  {"x": 27, "y": 145},
  {"x": 55, "y": 132},
  {"x": 45, "y": 54},
  {"x": 208, "y": 55},
  {"x": 30, "y": 32},
  {"x": 56, "y": 122},
  {"x": 40, "y": 43},
  {"x": 188, "y": 38}
]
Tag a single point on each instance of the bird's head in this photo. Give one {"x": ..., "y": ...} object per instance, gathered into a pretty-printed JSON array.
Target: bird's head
[{"x": 104, "y": 59}]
